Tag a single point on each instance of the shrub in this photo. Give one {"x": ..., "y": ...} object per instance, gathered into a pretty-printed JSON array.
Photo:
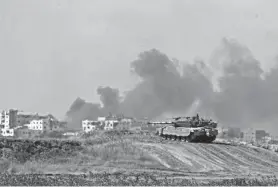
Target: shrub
[{"x": 4, "y": 165}]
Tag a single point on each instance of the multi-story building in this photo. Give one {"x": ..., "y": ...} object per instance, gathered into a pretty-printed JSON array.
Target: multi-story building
[
  {"x": 90, "y": 125},
  {"x": 36, "y": 125},
  {"x": 110, "y": 122},
  {"x": 253, "y": 135},
  {"x": 6, "y": 125},
  {"x": 45, "y": 125},
  {"x": 25, "y": 132},
  {"x": 249, "y": 135},
  {"x": 5, "y": 119},
  {"x": 23, "y": 118}
]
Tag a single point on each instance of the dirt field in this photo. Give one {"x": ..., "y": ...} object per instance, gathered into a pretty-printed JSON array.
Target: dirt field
[{"x": 134, "y": 155}]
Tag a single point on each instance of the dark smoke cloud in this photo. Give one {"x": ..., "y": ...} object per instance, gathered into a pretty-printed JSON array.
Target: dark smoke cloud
[
  {"x": 163, "y": 88},
  {"x": 110, "y": 99},
  {"x": 80, "y": 110},
  {"x": 241, "y": 100},
  {"x": 244, "y": 99}
]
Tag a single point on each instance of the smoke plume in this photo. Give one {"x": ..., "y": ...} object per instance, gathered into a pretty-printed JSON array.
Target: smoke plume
[
  {"x": 110, "y": 99},
  {"x": 244, "y": 98}
]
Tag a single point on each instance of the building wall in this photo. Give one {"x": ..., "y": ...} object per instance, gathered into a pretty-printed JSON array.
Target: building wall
[
  {"x": 89, "y": 125},
  {"x": 110, "y": 124},
  {"x": 254, "y": 135},
  {"x": 27, "y": 133},
  {"x": 36, "y": 125},
  {"x": 23, "y": 119},
  {"x": 5, "y": 119},
  {"x": 249, "y": 135},
  {"x": 12, "y": 118},
  {"x": 107, "y": 124},
  {"x": 7, "y": 132}
]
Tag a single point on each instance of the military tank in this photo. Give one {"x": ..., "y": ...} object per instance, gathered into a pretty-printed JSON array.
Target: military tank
[{"x": 188, "y": 129}]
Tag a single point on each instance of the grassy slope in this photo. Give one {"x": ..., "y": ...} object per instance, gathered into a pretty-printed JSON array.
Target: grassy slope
[{"x": 112, "y": 152}]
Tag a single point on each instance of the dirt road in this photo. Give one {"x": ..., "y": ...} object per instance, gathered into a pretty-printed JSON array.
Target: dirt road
[{"x": 213, "y": 159}]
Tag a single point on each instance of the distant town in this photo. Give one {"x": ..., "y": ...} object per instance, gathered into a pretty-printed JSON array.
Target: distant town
[{"x": 15, "y": 123}]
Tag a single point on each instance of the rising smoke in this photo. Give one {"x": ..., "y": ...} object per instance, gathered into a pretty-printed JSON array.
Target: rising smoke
[{"x": 244, "y": 97}]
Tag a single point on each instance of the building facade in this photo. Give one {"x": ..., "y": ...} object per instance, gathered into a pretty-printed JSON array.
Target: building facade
[
  {"x": 25, "y": 132},
  {"x": 6, "y": 126},
  {"x": 89, "y": 125},
  {"x": 36, "y": 125},
  {"x": 7, "y": 132},
  {"x": 5, "y": 119},
  {"x": 107, "y": 123},
  {"x": 253, "y": 135},
  {"x": 249, "y": 135}
]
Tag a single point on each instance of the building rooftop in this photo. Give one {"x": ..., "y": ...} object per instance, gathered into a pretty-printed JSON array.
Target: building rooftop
[
  {"x": 21, "y": 127},
  {"x": 32, "y": 113}
]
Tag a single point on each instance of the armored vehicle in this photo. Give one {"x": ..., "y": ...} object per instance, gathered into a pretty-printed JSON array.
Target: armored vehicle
[{"x": 189, "y": 129}]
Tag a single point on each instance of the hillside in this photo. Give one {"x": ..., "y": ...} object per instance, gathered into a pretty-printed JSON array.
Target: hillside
[{"x": 131, "y": 154}]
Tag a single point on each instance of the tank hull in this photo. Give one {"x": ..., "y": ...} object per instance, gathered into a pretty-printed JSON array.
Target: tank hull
[{"x": 202, "y": 135}]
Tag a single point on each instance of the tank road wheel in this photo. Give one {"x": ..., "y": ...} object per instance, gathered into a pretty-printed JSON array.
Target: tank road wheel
[
  {"x": 191, "y": 138},
  {"x": 179, "y": 138},
  {"x": 173, "y": 138},
  {"x": 183, "y": 139},
  {"x": 210, "y": 139}
]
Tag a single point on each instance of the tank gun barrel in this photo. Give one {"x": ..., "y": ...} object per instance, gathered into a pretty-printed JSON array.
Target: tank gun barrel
[{"x": 160, "y": 122}]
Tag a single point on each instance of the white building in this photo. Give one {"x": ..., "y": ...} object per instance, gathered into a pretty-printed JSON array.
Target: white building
[
  {"x": 101, "y": 118},
  {"x": 36, "y": 125},
  {"x": 89, "y": 125},
  {"x": 5, "y": 124},
  {"x": 7, "y": 132},
  {"x": 110, "y": 124},
  {"x": 5, "y": 119}
]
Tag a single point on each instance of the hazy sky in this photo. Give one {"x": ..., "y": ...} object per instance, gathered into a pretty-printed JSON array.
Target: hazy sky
[{"x": 53, "y": 51}]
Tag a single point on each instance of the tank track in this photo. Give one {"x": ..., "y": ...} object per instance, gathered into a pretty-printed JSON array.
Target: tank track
[{"x": 191, "y": 138}]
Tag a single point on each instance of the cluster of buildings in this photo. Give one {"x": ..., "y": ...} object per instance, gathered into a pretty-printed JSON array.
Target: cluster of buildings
[
  {"x": 107, "y": 123},
  {"x": 119, "y": 122},
  {"x": 24, "y": 124},
  {"x": 247, "y": 135}
]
